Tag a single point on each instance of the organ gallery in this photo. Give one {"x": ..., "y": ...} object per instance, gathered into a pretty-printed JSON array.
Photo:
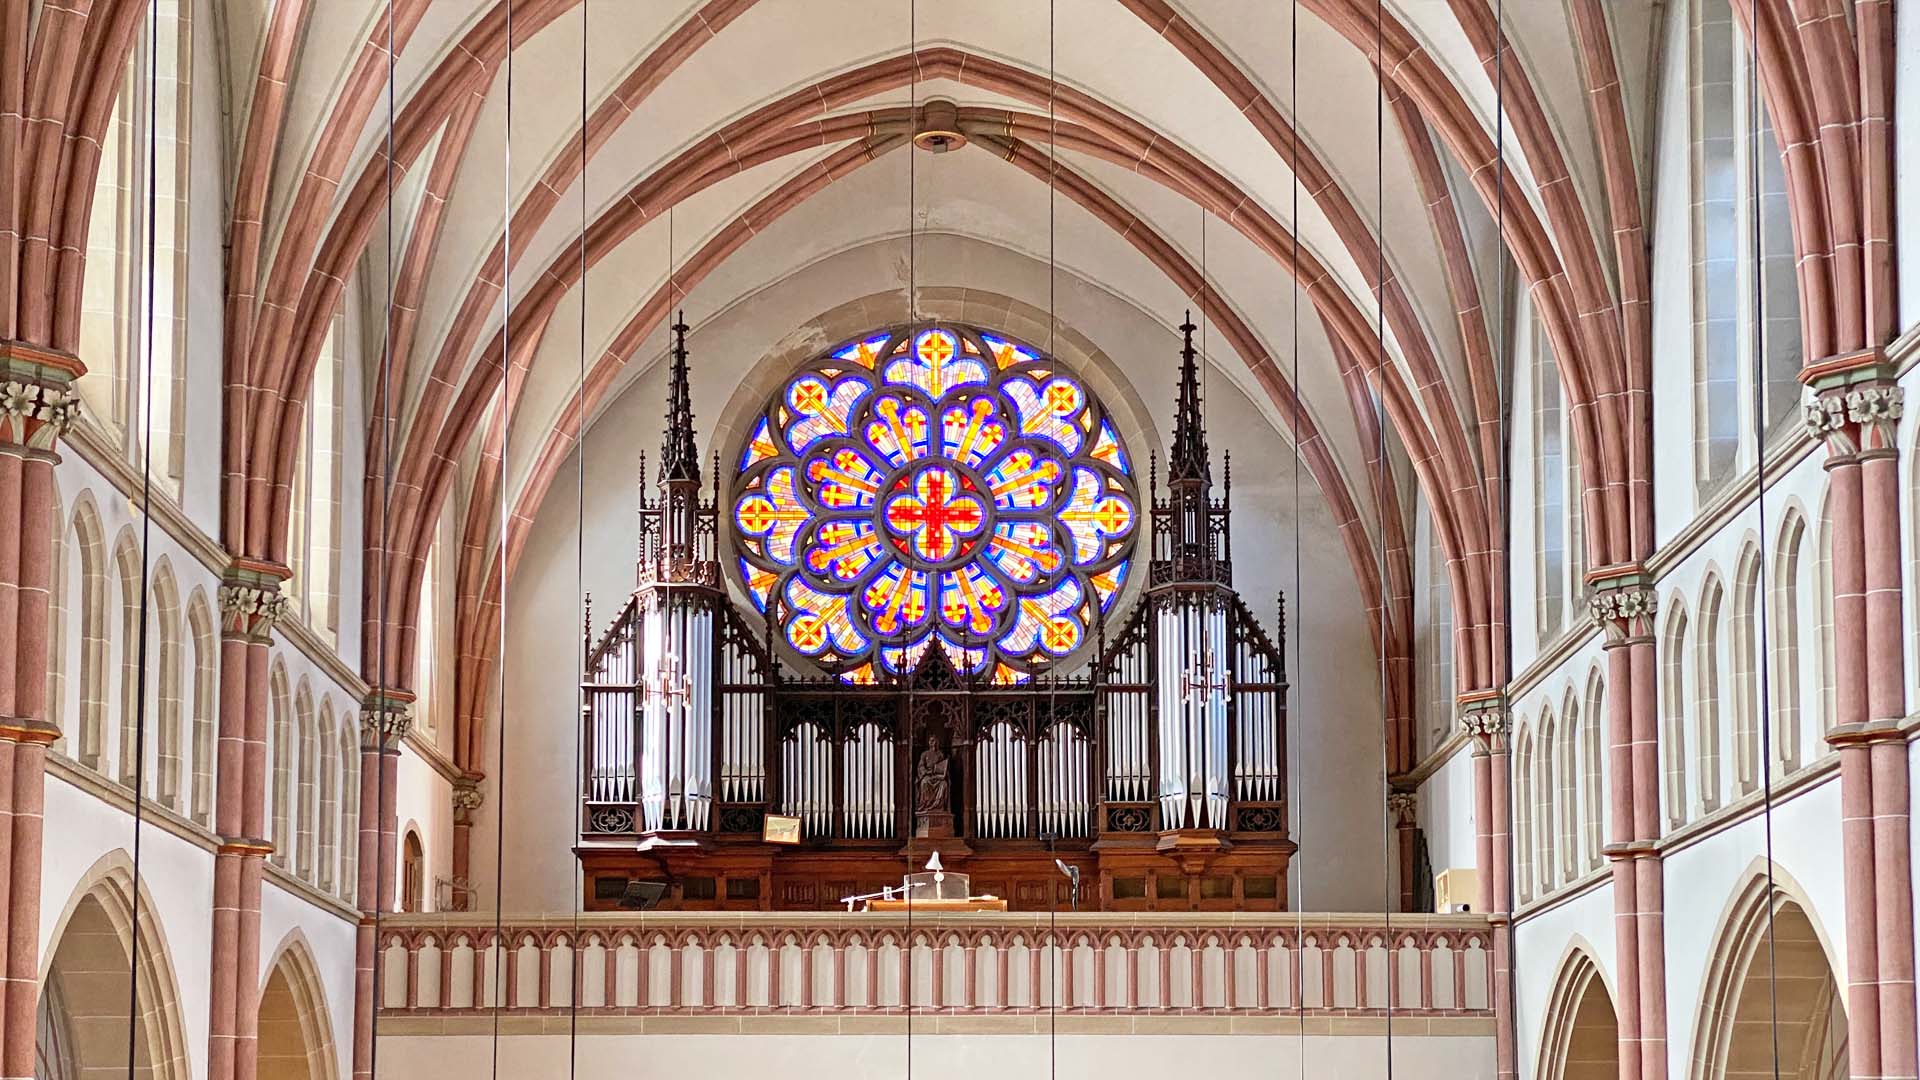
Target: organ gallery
[{"x": 927, "y": 605}]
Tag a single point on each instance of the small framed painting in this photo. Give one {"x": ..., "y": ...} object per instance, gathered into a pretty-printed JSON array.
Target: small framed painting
[{"x": 779, "y": 829}]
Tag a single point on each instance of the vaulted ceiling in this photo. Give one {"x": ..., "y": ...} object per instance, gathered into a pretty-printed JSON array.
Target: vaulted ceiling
[{"x": 776, "y": 132}]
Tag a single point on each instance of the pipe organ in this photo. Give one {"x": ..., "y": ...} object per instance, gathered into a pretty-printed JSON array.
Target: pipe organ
[{"x": 973, "y": 687}]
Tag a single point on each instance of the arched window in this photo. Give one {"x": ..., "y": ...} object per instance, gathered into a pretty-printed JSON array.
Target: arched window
[
  {"x": 114, "y": 293},
  {"x": 1568, "y": 795},
  {"x": 1784, "y": 676},
  {"x": 413, "y": 874},
  {"x": 281, "y": 738},
  {"x": 168, "y": 656},
  {"x": 349, "y": 806},
  {"x": 1675, "y": 698},
  {"x": 1710, "y": 661},
  {"x": 1726, "y": 199},
  {"x": 1008, "y": 521},
  {"x": 90, "y": 543},
  {"x": 314, "y": 517},
  {"x": 1550, "y": 487},
  {"x": 127, "y": 563},
  {"x": 328, "y": 765},
  {"x": 306, "y": 788},
  {"x": 206, "y": 704},
  {"x": 1524, "y": 811},
  {"x": 1746, "y": 670},
  {"x": 1592, "y": 776},
  {"x": 57, "y": 618},
  {"x": 1544, "y": 789},
  {"x": 426, "y": 652}
]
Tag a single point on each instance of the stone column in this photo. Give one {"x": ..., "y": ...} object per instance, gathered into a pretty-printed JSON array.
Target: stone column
[
  {"x": 1855, "y": 411},
  {"x": 250, "y": 603},
  {"x": 1404, "y": 808},
  {"x": 37, "y": 404},
  {"x": 467, "y": 800},
  {"x": 384, "y": 721},
  {"x": 1483, "y": 717},
  {"x": 1623, "y": 604}
]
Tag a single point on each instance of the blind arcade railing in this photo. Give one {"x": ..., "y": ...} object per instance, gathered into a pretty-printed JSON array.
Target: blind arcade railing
[{"x": 631, "y": 964}]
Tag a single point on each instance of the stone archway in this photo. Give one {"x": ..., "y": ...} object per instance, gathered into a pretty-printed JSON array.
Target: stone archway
[
  {"x": 1581, "y": 1040},
  {"x": 296, "y": 1038},
  {"x": 89, "y": 1015},
  {"x": 1771, "y": 995}
]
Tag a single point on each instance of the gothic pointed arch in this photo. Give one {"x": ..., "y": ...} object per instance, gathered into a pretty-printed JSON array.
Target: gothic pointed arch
[
  {"x": 91, "y": 969},
  {"x": 296, "y": 1029},
  {"x": 1770, "y": 983},
  {"x": 1580, "y": 1038}
]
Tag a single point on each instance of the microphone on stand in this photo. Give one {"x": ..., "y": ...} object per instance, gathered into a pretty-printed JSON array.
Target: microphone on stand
[{"x": 1073, "y": 879}]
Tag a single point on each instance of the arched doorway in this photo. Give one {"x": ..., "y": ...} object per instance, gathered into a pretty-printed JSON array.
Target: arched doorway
[
  {"x": 1771, "y": 993},
  {"x": 296, "y": 1039},
  {"x": 1582, "y": 1037},
  {"x": 84, "y": 1027}
]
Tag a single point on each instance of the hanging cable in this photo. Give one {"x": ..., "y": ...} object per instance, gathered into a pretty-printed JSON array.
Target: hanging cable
[
  {"x": 579, "y": 579},
  {"x": 1053, "y": 685},
  {"x": 149, "y": 240},
  {"x": 907, "y": 667},
  {"x": 1503, "y": 899},
  {"x": 1764, "y": 716},
  {"x": 382, "y": 704},
  {"x": 1296, "y": 669},
  {"x": 500, "y": 989},
  {"x": 1383, "y": 498}
]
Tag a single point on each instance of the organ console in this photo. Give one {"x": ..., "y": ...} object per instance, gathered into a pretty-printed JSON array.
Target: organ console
[{"x": 906, "y": 632}]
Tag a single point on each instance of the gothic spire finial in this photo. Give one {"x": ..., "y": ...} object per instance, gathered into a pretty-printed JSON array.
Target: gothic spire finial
[
  {"x": 1188, "y": 460},
  {"x": 679, "y": 460}
]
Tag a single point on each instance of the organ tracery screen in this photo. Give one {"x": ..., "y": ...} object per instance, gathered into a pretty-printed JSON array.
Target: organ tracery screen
[{"x": 934, "y": 484}]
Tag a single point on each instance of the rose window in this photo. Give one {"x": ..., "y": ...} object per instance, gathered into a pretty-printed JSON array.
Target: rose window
[{"x": 940, "y": 485}]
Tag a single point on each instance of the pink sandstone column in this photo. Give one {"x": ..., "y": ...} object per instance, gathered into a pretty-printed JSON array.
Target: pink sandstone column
[
  {"x": 1623, "y": 605},
  {"x": 1483, "y": 716},
  {"x": 39, "y": 407},
  {"x": 383, "y": 724},
  {"x": 250, "y": 603},
  {"x": 1876, "y": 409},
  {"x": 1854, "y": 412}
]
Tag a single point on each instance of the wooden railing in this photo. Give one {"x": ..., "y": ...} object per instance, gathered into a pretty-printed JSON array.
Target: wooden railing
[{"x": 757, "y": 963}]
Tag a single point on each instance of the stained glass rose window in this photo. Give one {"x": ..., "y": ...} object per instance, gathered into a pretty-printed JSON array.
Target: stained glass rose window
[{"x": 934, "y": 485}]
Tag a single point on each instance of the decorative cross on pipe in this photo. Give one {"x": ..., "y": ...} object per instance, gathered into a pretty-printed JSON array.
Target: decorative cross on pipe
[
  {"x": 1202, "y": 680},
  {"x": 668, "y": 680}
]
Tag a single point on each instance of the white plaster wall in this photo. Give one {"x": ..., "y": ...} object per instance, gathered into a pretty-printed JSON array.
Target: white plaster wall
[
  {"x": 331, "y": 936},
  {"x": 1703, "y": 878},
  {"x": 1542, "y": 945},
  {"x": 1447, "y": 814},
  {"x": 946, "y": 1057},
  {"x": 424, "y": 801},
  {"x": 1336, "y": 730},
  {"x": 176, "y": 885}
]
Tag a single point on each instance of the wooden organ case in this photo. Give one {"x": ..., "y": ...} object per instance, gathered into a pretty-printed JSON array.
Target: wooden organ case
[{"x": 1159, "y": 770}]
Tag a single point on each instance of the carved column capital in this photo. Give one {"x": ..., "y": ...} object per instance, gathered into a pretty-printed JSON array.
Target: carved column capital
[
  {"x": 1853, "y": 405},
  {"x": 37, "y": 400},
  {"x": 1483, "y": 718},
  {"x": 385, "y": 718},
  {"x": 467, "y": 797},
  {"x": 1405, "y": 808},
  {"x": 251, "y": 601},
  {"x": 1623, "y": 604}
]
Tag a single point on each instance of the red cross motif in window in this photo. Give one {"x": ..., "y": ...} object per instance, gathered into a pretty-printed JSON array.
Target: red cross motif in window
[{"x": 936, "y": 513}]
